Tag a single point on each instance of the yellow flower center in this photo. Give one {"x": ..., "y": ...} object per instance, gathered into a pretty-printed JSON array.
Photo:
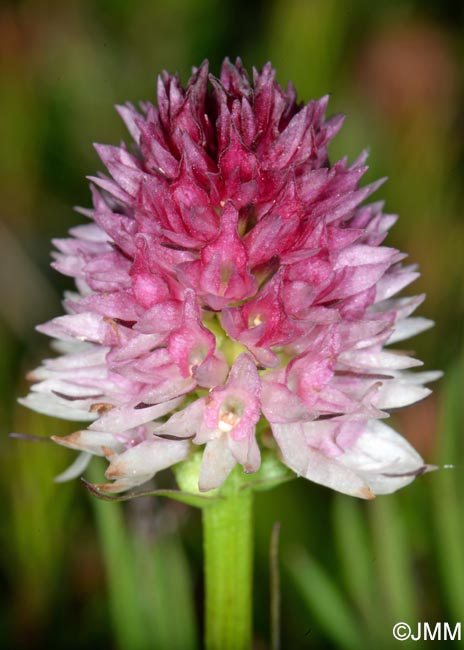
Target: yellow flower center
[{"x": 231, "y": 349}]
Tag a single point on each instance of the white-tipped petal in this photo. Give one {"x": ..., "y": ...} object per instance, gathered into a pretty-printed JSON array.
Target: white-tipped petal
[
  {"x": 89, "y": 441},
  {"x": 409, "y": 327},
  {"x": 74, "y": 470},
  {"x": 88, "y": 327},
  {"x": 379, "y": 462},
  {"x": 141, "y": 462},
  {"x": 183, "y": 424},
  {"x": 51, "y": 405},
  {"x": 385, "y": 460},
  {"x": 246, "y": 452},
  {"x": 216, "y": 464},
  {"x": 422, "y": 377},
  {"x": 127, "y": 417},
  {"x": 370, "y": 360},
  {"x": 398, "y": 393},
  {"x": 393, "y": 282},
  {"x": 314, "y": 465},
  {"x": 279, "y": 404}
]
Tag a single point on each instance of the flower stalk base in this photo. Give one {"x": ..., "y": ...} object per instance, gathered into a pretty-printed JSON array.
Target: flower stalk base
[{"x": 228, "y": 550}]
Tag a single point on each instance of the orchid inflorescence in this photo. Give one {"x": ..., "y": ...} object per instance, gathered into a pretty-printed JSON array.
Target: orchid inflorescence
[{"x": 232, "y": 293}]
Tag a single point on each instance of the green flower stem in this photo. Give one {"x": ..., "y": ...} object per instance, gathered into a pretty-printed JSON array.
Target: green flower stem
[
  {"x": 228, "y": 548},
  {"x": 228, "y": 544}
]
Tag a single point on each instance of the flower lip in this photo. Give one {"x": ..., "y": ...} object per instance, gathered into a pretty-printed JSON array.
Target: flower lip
[{"x": 230, "y": 414}]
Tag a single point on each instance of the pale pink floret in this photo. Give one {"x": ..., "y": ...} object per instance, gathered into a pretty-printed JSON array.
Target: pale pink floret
[
  {"x": 228, "y": 427},
  {"x": 231, "y": 273}
]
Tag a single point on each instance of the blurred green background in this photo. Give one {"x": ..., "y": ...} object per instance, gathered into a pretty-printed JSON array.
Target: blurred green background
[{"x": 76, "y": 572}]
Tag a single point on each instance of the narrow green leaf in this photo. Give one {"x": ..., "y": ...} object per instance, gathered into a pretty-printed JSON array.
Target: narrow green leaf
[
  {"x": 324, "y": 601},
  {"x": 122, "y": 581},
  {"x": 166, "y": 593},
  {"x": 447, "y": 494},
  {"x": 354, "y": 550},
  {"x": 36, "y": 544},
  {"x": 394, "y": 559}
]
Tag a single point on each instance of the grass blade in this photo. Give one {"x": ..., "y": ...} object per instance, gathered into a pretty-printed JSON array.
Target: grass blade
[
  {"x": 324, "y": 601},
  {"x": 123, "y": 588},
  {"x": 354, "y": 550},
  {"x": 447, "y": 495}
]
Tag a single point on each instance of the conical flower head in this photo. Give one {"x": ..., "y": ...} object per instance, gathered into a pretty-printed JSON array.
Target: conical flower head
[{"x": 231, "y": 275}]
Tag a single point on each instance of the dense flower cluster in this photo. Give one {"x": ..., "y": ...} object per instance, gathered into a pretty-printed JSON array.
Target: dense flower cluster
[{"x": 232, "y": 291}]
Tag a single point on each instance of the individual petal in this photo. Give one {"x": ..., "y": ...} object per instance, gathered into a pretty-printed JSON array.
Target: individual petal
[
  {"x": 395, "y": 280},
  {"x": 377, "y": 360},
  {"x": 212, "y": 372},
  {"x": 161, "y": 318},
  {"x": 246, "y": 452},
  {"x": 123, "y": 167},
  {"x": 380, "y": 461},
  {"x": 216, "y": 464},
  {"x": 222, "y": 273},
  {"x": 116, "y": 304},
  {"x": 75, "y": 469},
  {"x": 130, "y": 117},
  {"x": 49, "y": 404},
  {"x": 314, "y": 465},
  {"x": 83, "y": 327},
  {"x": 191, "y": 344},
  {"x": 385, "y": 459},
  {"x": 183, "y": 424},
  {"x": 126, "y": 417},
  {"x": 400, "y": 392},
  {"x": 148, "y": 288},
  {"x": 280, "y": 405},
  {"x": 141, "y": 462},
  {"x": 408, "y": 328},
  {"x": 92, "y": 442}
]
